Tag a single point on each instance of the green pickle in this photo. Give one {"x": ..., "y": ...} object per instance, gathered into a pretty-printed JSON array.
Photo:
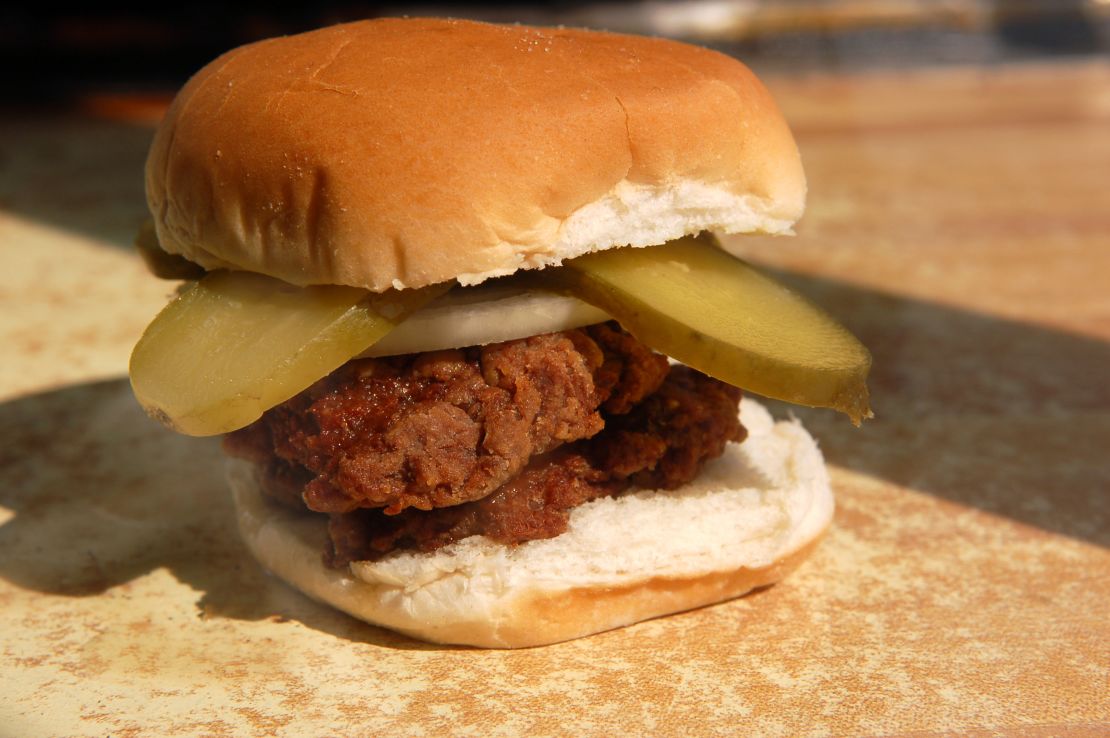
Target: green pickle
[
  {"x": 234, "y": 344},
  {"x": 714, "y": 312}
]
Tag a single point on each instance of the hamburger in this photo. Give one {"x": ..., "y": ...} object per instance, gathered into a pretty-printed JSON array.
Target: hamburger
[{"x": 453, "y": 300}]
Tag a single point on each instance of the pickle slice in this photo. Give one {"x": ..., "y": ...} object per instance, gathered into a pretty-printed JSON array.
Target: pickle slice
[
  {"x": 235, "y": 344},
  {"x": 714, "y": 312}
]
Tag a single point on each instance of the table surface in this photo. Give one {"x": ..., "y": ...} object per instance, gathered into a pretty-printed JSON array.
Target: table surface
[{"x": 959, "y": 223}]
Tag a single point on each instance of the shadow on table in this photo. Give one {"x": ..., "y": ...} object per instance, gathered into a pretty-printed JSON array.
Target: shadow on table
[
  {"x": 1005, "y": 417},
  {"x": 75, "y": 172},
  {"x": 101, "y": 496}
]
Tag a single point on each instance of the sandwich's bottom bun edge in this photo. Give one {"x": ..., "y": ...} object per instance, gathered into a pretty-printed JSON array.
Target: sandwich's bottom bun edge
[{"x": 750, "y": 518}]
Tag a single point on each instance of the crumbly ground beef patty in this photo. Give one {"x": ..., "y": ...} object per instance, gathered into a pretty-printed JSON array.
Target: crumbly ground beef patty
[{"x": 418, "y": 451}]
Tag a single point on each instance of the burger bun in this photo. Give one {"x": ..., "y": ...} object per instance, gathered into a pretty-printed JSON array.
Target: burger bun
[{"x": 749, "y": 518}]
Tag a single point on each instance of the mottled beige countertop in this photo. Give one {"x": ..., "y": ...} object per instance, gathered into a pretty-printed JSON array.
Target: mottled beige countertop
[{"x": 959, "y": 222}]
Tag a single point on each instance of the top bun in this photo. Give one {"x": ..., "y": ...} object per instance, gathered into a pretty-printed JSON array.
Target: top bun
[{"x": 401, "y": 153}]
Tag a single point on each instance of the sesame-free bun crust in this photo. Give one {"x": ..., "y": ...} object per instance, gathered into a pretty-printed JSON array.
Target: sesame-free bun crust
[
  {"x": 748, "y": 519},
  {"x": 405, "y": 152}
]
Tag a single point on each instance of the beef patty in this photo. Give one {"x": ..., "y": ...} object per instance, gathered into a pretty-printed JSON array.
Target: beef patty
[{"x": 422, "y": 450}]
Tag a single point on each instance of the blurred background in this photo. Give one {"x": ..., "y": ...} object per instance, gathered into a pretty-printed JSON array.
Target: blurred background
[
  {"x": 61, "y": 53},
  {"x": 958, "y": 221}
]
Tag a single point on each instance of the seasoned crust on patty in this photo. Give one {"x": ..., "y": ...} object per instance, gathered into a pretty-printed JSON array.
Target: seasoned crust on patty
[
  {"x": 661, "y": 443},
  {"x": 448, "y": 427},
  {"x": 419, "y": 451}
]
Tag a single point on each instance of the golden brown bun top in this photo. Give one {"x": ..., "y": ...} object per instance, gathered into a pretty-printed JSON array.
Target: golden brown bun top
[{"x": 401, "y": 152}]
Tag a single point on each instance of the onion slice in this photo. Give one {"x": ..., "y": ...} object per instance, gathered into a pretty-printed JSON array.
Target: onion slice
[{"x": 490, "y": 313}]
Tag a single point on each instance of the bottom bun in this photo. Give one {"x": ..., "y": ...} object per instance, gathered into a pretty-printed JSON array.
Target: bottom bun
[{"x": 750, "y": 517}]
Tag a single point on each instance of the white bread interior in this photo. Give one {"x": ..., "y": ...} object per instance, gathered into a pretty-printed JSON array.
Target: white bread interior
[
  {"x": 748, "y": 519},
  {"x": 406, "y": 152}
]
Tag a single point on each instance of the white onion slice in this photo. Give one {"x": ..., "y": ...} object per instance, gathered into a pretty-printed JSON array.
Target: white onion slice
[{"x": 475, "y": 316}]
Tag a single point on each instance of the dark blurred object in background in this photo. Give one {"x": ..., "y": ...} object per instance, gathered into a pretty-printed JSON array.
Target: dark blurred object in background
[{"x": 53, "y": 55}]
